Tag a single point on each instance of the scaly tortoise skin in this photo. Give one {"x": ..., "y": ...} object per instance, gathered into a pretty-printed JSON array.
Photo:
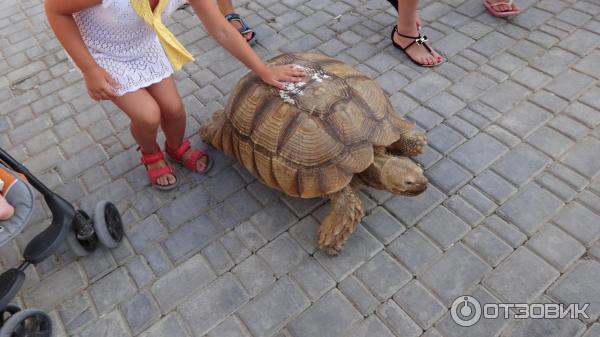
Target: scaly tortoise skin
[{"x": 333, "y": 134}]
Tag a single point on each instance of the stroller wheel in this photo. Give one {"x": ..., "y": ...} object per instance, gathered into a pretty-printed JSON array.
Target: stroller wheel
[
  {"x": 10, "y": 310},
  {"x": 81, "y": 247},
  {"x": 28, "y": 322},
  {"x": 108, "y": 224}
]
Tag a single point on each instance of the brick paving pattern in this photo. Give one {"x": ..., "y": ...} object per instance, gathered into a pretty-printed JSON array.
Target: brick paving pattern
[{"x": 512, "y": 213}]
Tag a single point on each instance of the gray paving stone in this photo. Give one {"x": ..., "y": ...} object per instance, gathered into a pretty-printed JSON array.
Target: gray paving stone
[
  {"x": 464, "y": 210},
  {"x": 140, "y": 271},
  {"x": 397, "y": 319},
  {"x": 231, "y": 327},
  {"x": 584, "y": 157},
  {"x": 140, "y": 312},
  {"x": 410, "y": 209},
  {"x": 282, "y": 254},
  {"x": 522, "y": 277},
  {"x": 478, "y": 153},
  {"x": 383, "y": 225},
  {"x": 547, "y": 327},
  {"x": 358, "y": 294},
  {"x": 383, "y": 264},
  {"x": 77, "y": 312},
  {"x": 306, "y": 232},
  {"x": 59, "y": 286},
  {"x": 461, "y": 269},
  {"x": 217, "y": 257},
  {"x": 443, "y": 227},
  {"x": 580, "y": 222},
  {"x": 550, "y": 142},
  {"x": 578, "y": 286},
  {"x": 524, "y": 119},
  {"x": 179, "y": 283},
  {"x": 205, "y": 310},
  {"x": 170, "y": 325},
  {"x": 109, "y": 325},
  {"x": 234, "y": 247},
  {"x": 427, "y": 86},
  {"x": 554, "y": 61},
  {"x": 444, "y": 139},
  {"x": 530, "y": 209},
  {"x": 491, "y": 248},
  {"x": 146, "y": 233},
  {"x": 255, "y": 275},
  {"x": 420, "y": 304},
  {"x": 263, "y": 318},
  {"x": 360, "y": 248},
  {"x": 273, "y": 220},
  {"x": 593, "y": 331},
  {"x": 414, "y": 250},
  {"x": 112, "y": 290},
  {"x": 312, "y": 278},
  {"x": 521, "y": 164},
  {"x": 185, "y": 208},
  {"x": 569, "y": 84},
  {"x": 371, "y": 326},
  {"x": 557, "y": 186},
  {"x": 331, "y": 316},
  {"x": 448, "y": 176},
  {"x": 558, "y": 248}
]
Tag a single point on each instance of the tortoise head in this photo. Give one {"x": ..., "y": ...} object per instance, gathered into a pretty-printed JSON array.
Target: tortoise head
[{"x": 401, "y": 175}]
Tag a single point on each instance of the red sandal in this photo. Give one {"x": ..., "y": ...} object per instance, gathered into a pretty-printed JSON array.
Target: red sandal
[
  {"x": 177, "y": 156},
  {"x": 154, "y": 174}
]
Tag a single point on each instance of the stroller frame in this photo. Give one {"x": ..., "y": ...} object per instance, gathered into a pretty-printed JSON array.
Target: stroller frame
[{"x": 82, "y": 234}]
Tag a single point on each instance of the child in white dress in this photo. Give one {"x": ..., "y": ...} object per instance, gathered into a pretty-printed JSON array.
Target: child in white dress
[{"x": 128, "y": 56}]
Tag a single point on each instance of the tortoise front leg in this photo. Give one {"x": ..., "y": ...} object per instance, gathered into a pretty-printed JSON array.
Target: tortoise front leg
[
  {"x": 410, "y": 144},
  {"x": 346, "y": 212},
  {"x": 210, "y": 130}
]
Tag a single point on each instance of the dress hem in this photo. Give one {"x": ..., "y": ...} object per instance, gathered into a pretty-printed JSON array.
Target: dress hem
[{"x": 144, "y": 85}]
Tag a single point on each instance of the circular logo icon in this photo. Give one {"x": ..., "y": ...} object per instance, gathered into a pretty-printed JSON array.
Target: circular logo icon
[{"x": 465, "y": 311}]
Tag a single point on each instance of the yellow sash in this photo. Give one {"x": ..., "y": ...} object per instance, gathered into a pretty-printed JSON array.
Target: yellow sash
[{"x": 176, "y": 52}]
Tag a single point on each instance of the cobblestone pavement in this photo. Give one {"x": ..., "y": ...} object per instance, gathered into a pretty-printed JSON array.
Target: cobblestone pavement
[{"x": 513, "y": 213}]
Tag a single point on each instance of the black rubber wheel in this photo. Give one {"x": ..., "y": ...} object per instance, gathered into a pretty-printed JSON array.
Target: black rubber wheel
[
  {"x": 81, "y": 247},
  {"x": 108, "y": 224},
  {"x": 8, "y": 312},
  {"x": 27, "y": 323}
]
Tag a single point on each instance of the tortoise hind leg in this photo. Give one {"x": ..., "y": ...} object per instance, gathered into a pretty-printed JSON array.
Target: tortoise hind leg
[
  {"x": 346, "y": 212},
  {"x": 410, "y": 144}
]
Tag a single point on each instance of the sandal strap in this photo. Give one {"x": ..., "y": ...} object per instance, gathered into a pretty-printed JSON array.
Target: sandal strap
[
  {"x": 420, "y": 40},
  {"x": 178, "y": 153},
  {"x": 152, "y": 158},
  {"x": 155, "y": 174},
  {"x": 193, "y": 159},
  {"x": 244, "y": 29}
]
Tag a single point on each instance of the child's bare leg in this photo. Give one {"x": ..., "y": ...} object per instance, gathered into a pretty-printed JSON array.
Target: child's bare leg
[
  {"x": 172, "y": 116},
  {"x": 6, "y": 209},
  {"x": 144, "y": 113},
  {"x": 226, "y": 7}
]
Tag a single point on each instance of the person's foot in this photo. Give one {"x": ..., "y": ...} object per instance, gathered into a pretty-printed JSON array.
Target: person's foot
[
  {"x": 166, "y": 179},
  {"x": 503, "y": 5},
  {"x": 237, "y": 25},
  {"x": 201, "y": 163},
  {"x": 418, "y": 52}
]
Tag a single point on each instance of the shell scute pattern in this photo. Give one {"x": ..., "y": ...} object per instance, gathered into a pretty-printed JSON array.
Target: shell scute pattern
[{"x": 314, "y": 142}]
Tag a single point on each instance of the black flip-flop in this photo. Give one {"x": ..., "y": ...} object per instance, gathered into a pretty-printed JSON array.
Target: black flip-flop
[
  {"x": 244, "y": 29},
  {"x": 420, "y": 40}
]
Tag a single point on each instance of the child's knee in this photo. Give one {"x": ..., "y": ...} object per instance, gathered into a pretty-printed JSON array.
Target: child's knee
[
  {"x": 173, "y": 110},
  {"x": 150, "y": 120}
]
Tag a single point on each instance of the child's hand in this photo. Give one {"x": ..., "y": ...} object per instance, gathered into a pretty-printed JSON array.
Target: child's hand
[
  {"x": 277, "y": 74},
  {"x": 100, "y": 85}
]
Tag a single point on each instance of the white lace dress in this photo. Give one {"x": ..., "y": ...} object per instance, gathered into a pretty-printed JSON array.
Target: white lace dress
[{"x": 124, "y": 45}]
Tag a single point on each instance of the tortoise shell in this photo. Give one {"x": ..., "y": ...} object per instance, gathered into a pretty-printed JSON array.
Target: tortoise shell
[{"x": 311, "y": 138}]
